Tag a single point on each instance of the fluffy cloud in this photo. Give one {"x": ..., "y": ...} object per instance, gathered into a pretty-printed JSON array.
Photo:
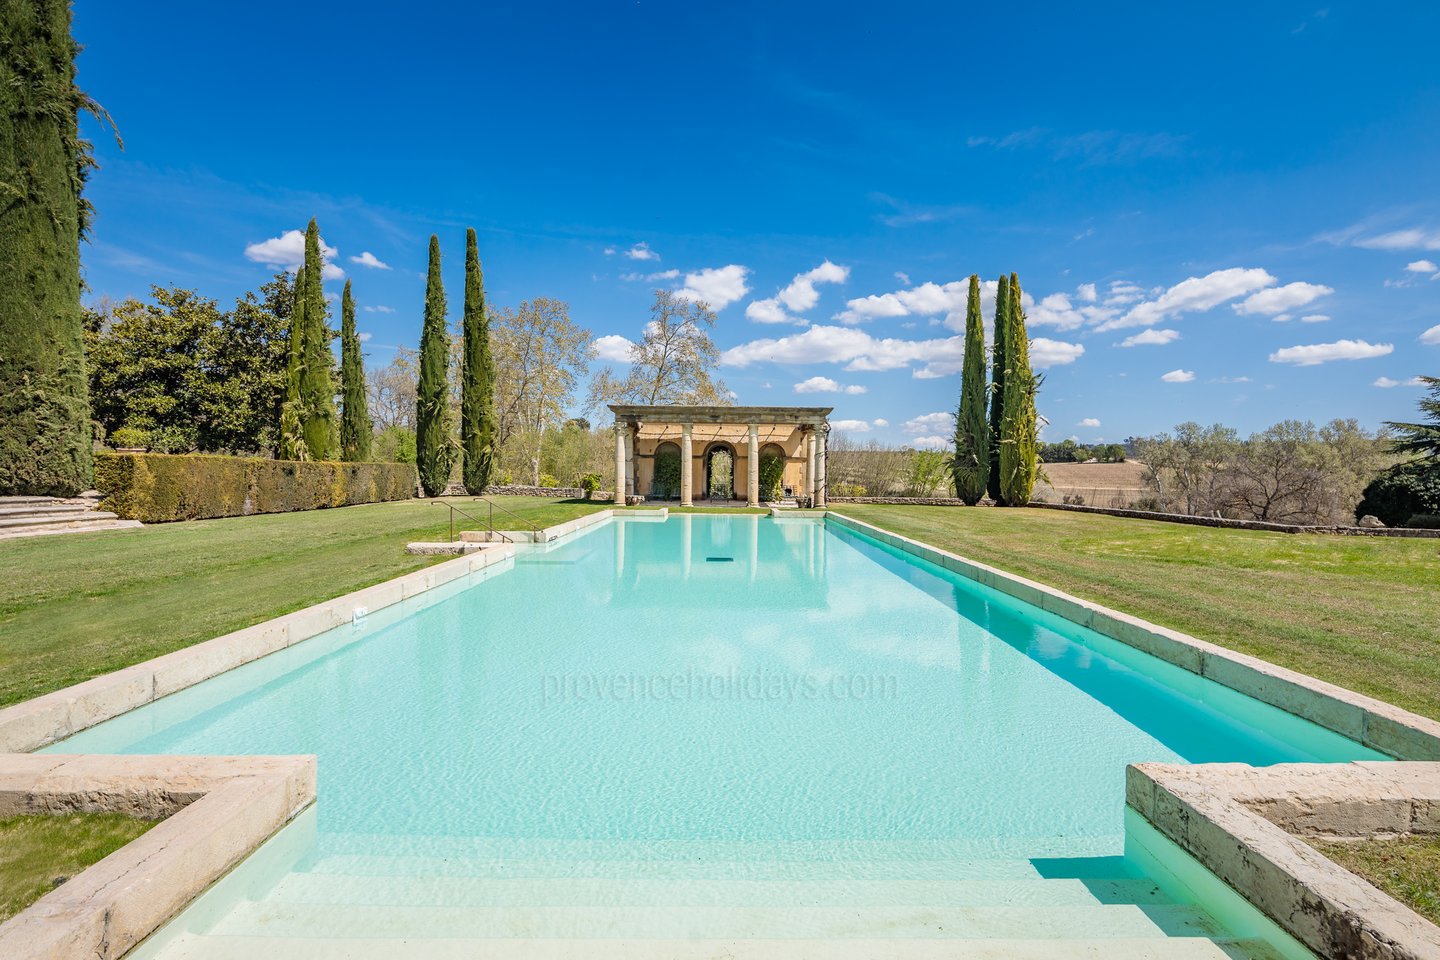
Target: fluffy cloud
[
  {"x": 1151, "y": 337},
  {"x": 650, "y": 277},
  {"x": 1088, "y": 422},
  {"x": 1193, "y": 295},
  {"x": 1431, "y": 336},
  {"x": 1086, "y": 292},
  {"x": 798, "y": 296},
  {"x": 642, "y": 251},
  {"x": 288, "y": 251},
  {"x": 1315, "y": 318},
  {"x": 1280, "y": 299},
  {"x": 613, "y": 348},
  {"x": 1046, "y": 353},
  {"x": 365, "y": 337},
  {"x": 935, "y": 442},
  {"x": 1415, "y": 238},
  {"x": 939, "y": 422},
  {"x": 880, "y": 422},
  {"x": 1422, "y": 266},
  {"x": 1316, "y": 353},
  {"x": 850, "y": 426},
  {"x": 826, "y": 385},
  {"x": 717, "y": 286},
  {"x": 368, "y": 259},
  {"x": 378, "y": 308},
  {"x": 1179, "y": 376}
]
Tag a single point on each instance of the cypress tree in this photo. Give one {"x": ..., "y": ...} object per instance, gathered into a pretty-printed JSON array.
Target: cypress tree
[
  {"x": 292, "y": 430},
  {"x": 45, "y": 433},
  {"x": 997, "y": 385},
  {"x": 355, "y": 429},
  {"x": 1017, "y": 445},
  {"x": 317, "y": 383},
  {"x": 477, "y": 403},
  {"x": 971, "y": 465},
  {"x": 432, "y": 416}
]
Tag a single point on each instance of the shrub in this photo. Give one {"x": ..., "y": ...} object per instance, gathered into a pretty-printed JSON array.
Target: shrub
[
  {"x": 590, "y": 483},
  {"x": 1401, "y": 492},
  {"x": 772, "y": 476},
  {"x": 666, "y": 484},
  {"x": 548, "y": 482},
  {"x": 847, "y": 490},
  {"x": 1425, "y": 521},
  {"x": 1074, "y": 499},
  {"x": 156, "y": 488},
  {"x": 130, "y": 437}
]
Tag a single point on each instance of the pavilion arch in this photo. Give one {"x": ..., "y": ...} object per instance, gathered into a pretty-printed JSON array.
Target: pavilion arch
[{"x": 724, "y": 449}]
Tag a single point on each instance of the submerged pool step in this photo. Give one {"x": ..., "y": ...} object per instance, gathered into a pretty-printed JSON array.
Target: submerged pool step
[
  {"x": 191, "y": 947},
  {"x": 441, "y": 891},
  {"x": 278, "y": 918}
]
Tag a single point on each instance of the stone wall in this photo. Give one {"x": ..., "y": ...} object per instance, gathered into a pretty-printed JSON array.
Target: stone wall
[
  {"x": 902, "y": 501},
  {"x": 572, "y": 493}
]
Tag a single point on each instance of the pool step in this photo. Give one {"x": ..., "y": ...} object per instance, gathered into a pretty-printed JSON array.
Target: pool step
[
  {"x": 192, "y": 947},
  {"x": 281, "y": 918}
]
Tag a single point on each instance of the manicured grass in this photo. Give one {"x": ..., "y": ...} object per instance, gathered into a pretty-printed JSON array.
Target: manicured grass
[
  {"x": 1362, "y": 612},
  {"x": 74, "y": 607},
  {"x": 39, "y": 849},
  {"x": 1407, "y": 868}
]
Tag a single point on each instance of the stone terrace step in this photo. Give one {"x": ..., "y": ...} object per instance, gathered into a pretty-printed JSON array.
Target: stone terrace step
[
  {"x": 40, "y": 509},
  {"x": 199, "y": 947},
  {"x": 75, "y": 516},
  {"x": 50, "y": 530}
]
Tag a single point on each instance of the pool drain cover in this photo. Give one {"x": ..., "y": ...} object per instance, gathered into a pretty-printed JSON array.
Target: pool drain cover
[{"x": 719, "y": 559}]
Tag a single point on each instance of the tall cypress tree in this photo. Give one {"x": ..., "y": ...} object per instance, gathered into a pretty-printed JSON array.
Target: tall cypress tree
[
  {"x": 432, "y": 415},
  {"x": 1018, "y": 428},
  {"x": 45, "y": 436},
  {"x": 477, "y": 403},
  {"x": 971, "y": 465},
  {"x": 292, "y": 410},
  {"x": 355, "y": 429},
  {"x": 997, "y": 385},
  {"x": 317, "y": 384}
]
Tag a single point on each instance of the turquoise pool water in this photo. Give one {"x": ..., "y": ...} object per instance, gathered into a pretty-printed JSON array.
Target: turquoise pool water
[{"x": 736, "y": 688}]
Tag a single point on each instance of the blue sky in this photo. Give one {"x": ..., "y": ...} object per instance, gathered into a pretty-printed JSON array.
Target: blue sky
[{"x": 1243, "y": 193}]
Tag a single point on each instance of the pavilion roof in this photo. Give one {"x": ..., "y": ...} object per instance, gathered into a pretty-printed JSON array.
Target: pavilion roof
[{"x": 688, "y": 413}]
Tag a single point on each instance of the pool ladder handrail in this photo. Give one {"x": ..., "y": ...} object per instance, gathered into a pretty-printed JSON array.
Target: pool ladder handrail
[{"x": 489, "y": 521}]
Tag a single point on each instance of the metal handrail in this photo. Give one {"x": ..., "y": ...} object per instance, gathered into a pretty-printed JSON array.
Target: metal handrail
[
  {"x": 454, "y": 510},
  {"x": 509, "y": 513}
]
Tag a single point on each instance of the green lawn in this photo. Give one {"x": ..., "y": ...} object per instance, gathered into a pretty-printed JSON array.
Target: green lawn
[
  {"x": 1362, "y": 612},
  {"x": 38, "y": 850},
  {"x": 74, "y": 607},
  {"x": 1407, "y": 868}
]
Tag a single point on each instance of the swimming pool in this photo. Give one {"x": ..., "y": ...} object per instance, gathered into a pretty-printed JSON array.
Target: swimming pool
[{"x": 711, "y": 727}]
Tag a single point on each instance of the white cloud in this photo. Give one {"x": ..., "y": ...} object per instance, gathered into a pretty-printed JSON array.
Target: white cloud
[
  {"x": 1086, "y": 292},
  {"x": 1056, "y": 310},
  {"x": 1431, "y": 336},
  {"x": 1179, "y": 376},
  {"x": 1283, "y": 318},
  {"x": 609, "y": 251},
  {"x": 1122, "y": 292},
  {"x": 1315, "y": 318},
  {"x": 1151, "y": 337},
  {"x": 930, "y": 423},
  {"x": 365, "y": 337},
  {"x": 650, "y": 277},
  {"x": 1088, "y": 422},
  {"x": 378, "y": 308},
  {"x": 642, "y": 251},
  {"x": 1385, "y": 382},
  {"x": 1415, "y": 382},
  {"x": 1045, "y": 353},
  {"x": 931, "y": 443},
  {"x": 818, "y": 385},
  {"x": 288, "y": 251},
  {"x": 613, "y": 347},
  {"x": 856, "y": 389},
  {"x": 850, "y": 426},
  {"x": 1316, "y": 353},
  {"x": 1280, "y": 299},
  {"x": 1231, "y": 380},
  {"x": 767, "y": 311},
  {"x": 797, "y": 296},
  {"x": 1415, "y": 238},
  {"x": 880, "y": 422},
  {"x": 368, "y": 259},
  {"x": 1193, "y": 295},
  {"x": 903, "y": 277},
  {"x": 1422, "y": 266},
  {"x": 717, "y": 286}
]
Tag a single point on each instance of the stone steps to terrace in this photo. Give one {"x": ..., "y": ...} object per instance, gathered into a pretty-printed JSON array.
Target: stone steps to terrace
[{"x": 48, "y": 516}]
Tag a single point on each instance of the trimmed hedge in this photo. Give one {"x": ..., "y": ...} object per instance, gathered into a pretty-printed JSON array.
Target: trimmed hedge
[{"x": 158, "y": 487}]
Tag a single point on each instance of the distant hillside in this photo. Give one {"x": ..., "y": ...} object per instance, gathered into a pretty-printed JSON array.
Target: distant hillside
[{"x": 1099, "y": 484}]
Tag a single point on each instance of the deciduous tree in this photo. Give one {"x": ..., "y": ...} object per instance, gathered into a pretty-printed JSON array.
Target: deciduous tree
[
  {"x": 540, "y": 356},
  {"x": 674, "y": 362}
]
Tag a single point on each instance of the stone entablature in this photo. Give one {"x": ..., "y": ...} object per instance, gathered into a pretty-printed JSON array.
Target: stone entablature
[{"x": 701, "y": 434}]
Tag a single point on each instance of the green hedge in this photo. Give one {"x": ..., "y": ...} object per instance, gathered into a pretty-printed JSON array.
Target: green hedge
[{"x": 157, "y": 487}]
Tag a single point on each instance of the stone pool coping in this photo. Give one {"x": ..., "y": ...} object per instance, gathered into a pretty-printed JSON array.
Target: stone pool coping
[
  {"x": 1246, "y": 826},
  {"x": 1373, "y": 723},
  {"x": 215, "y": 811}
]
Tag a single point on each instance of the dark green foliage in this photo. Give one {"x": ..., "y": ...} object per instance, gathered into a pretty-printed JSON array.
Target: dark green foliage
[
  {"x": 394, "y": 445},
  {"x": 355, "y": 428},
  {"x": 156, "y": 488},
  {"x": 772, "y": 476},
  {"x": 997, "y": 384},
  {"x": 590, "y": 483},
  {"x": 477, "y": 402},
  {"x": 1422, "y": 438},
  {"x": 666, "y": 484},
  {"x": 317, "y": 380},
  {"x": 245, "y": 371},
  {"x": 45, "y": 432},
  {"x": 433, "y": 453},
  {"x": 1401, "y": 493},
  {"x": 971, "y": 465},
  {"x": 292, "y": 409},
  {"x": 1018, "y": 439}
]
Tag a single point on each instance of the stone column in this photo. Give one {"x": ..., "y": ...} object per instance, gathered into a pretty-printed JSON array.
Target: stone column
[
  {"x": 687, "y": 468},
  {"x": 752, "y": 462},
  {"x": 630, "y": 478},
  {"x": 620, "y": 432},
  {"x": 820, "y": 472},
  {"x": 810, "y": 464}
]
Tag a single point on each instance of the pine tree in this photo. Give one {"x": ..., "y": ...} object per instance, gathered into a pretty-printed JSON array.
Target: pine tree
[
  {"x": 45, "y": 433},
  {"x": 1018, "y": 422},
  {"x": 477, "y": 404},
  {"x": 355, "y": 428},
  {"x": 292, "y": 410},
  {"x": 971, "y": 465},
  {"x": 997, "y": 385},
  {"x": 432, "y": 415},
  {"x": 317, "y": 384}
]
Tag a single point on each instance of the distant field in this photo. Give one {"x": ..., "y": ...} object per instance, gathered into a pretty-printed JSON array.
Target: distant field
[{"x": 1100, "y": 484}]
